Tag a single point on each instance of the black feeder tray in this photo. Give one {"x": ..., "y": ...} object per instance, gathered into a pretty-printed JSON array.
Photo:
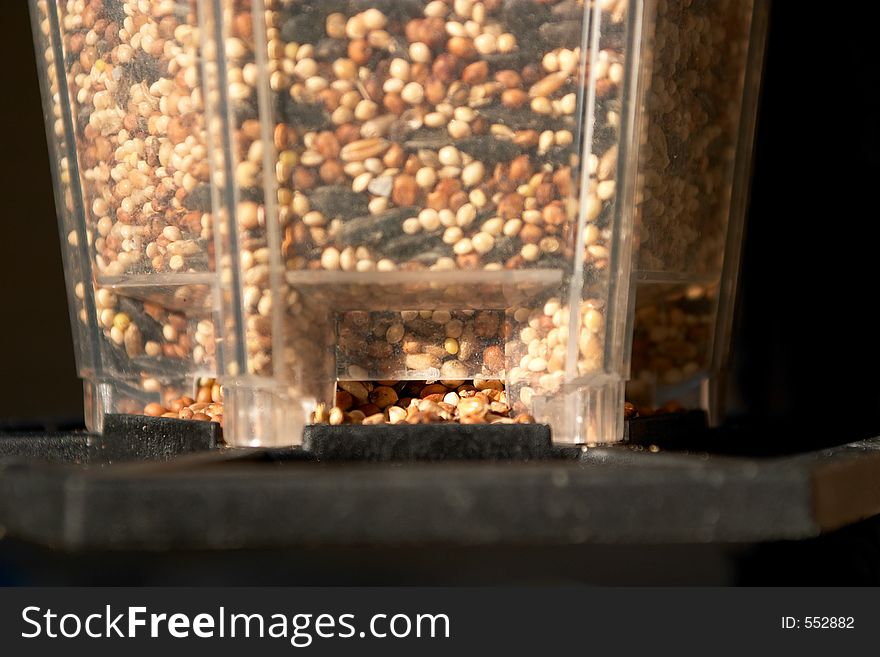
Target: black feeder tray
[{"x": 158, "y": 484}]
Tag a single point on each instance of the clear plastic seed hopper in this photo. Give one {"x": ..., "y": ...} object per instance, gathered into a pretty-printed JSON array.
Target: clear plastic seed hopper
[
  {"x": 540, "y": 200},
  {"x": 426, "y": 191},
  {"x": 123, "y": 104}
]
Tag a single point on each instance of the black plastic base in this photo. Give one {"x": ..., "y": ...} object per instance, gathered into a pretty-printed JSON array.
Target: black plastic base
[
  {"x": 158, "y": 484},
  {"x": 433, "y": 442},
  {"x": 144, "y": 438},
  {"x": 125, "y": 438}
]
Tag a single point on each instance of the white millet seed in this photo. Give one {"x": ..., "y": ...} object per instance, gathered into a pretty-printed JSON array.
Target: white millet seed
[
  {"x": 429, "y": 219},
  {"x": 420, "y": 52},
  {"x": 452, "y": 235},
  {"x": 483, "y": 242},
  {"x": 463, "y": 246},
  {"x": 473, "y": 174},
  {"x": 413, "y": 93},
  {"x": 399, "y": 69}
]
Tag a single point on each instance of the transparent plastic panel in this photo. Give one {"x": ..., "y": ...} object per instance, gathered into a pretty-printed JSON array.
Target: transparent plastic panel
[
  {"x": 125, "y": 120},
  {"x": 422, "y": 189},
  {"x": 68, "y": 202},
  {"x": 700, "y": 104}
]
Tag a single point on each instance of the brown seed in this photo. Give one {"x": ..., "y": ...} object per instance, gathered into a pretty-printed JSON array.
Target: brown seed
[
  {"x": 531, "y": 234},
  {"x": 154, "y": 410},
  {"x": 514, "y": 97},
  {"x": 418, "y": 72},
  {"x": 395, "y": 157},
  {"x": 303, "y": 179},
  {"x": 412, "y": 165},
  {"x": 544, "y": 193},
  {"x": 202, "y": 417},
  {"x": 562, "y": 180},
  {"x": 203, "y": 396},
  {"x": 331, "y": 172},
  {"x": 554, "y": 214},
  {"x": 369, "y": 409},
  {"x": 356, "y": 389},
  {"x": 359, "y": 51},
  {"x": 347, "y": 133},
  {"x": 493, "y": 394},
  {"x": 330, "y": 99},
  {"x": 548, "y": 84},
  {"x": 280, "y": 137},
  {"x": 433, "y": 389},
  {"x": 343, "y": 400},
  {"x": 493, "y": 358},
  {"x": 394, "y": 103},
  {"x": 509, "y": 78},
  {"x": 480, "y": 126},
  {"x": 511, "y": 206},
  {"x": 445, "y": 67},
  {"x": 435, "y": 90},
  {"x": 531, "y": 73},
  {"x": 520, "y": 168},
  {"x": 475, "y": 73},
  {"x": 430, "y": 31},
  {"x": 405, "y": 191},
  {"x": 383, "y": 396},
  {"x": 436, "y": 200},
  {"x": 468, "y": 261},
  {"x": 457, "y": 200},
  {"x": 362, "y": 149},
  {"x": 526, "y": 138},
  {"x": 461, "y": 47},
  {"x": 604, "y": 87},
  {"x": 327, "y": 144}
]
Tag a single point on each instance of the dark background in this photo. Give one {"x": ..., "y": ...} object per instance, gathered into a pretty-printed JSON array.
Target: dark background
[{"x": 806, "y": 347}]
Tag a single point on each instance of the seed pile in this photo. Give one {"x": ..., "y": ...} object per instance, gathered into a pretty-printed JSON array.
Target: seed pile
[
  {"x": 414, "y": 136},
  {"x": 207, "y": 405},
  {"x": 391, "y": 402},
  {"x": 140, "y": 167},
  {"x": 420, "y": 402}
]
